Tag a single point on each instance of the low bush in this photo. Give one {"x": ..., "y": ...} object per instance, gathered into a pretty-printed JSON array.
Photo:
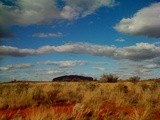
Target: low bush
[
  {"x": 110, "y": 78},
  {"x": 134, "y": 79}
]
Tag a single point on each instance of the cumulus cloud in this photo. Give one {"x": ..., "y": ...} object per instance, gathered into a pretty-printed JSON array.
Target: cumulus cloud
[
  {"x": 143, "y": 69},
  {"x": 81, "y": 8},
  {"x": 155, "y": 61},
  {"x": 16, "y": 66},
  {"x": 76, "y": 48},
  {"x": 157, "y": 43},
  {"x": 45, "y": 35},
  {"x": 16, "y": 52},
  {"x": 147, "y": 69},
  {"x": 138, "y": 52},
  {"x": 69, "y": 63},
  {"x": 145, "y": 22},
  {"x": 69, "y": 13},
  {"x": 29, "y": 12},
  {"x": 26, "y": 12}
]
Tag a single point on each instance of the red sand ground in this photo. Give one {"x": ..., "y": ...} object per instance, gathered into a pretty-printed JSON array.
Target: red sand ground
[{"x": 107, "y": 108}]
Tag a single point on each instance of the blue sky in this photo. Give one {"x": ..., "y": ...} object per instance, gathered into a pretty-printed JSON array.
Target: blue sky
[{"x": 43, "y": 39}]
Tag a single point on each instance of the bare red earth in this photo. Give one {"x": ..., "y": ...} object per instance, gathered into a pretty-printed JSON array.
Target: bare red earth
[
  {"x": 114, "y": 110},
  {"x": 157, "y": 115},
  {"x": 106, "y": 108},
  {"x": 57, "y": 108}
]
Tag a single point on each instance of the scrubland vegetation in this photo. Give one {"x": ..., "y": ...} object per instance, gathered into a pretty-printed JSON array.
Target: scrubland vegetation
[{"x": 109, "y": 100}]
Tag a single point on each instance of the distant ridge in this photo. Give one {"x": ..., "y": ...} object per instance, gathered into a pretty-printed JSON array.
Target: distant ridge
[{"x": 72, "y": 78}]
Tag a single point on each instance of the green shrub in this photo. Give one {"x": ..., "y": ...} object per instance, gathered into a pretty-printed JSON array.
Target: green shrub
[{"x": 110, "y": 78}]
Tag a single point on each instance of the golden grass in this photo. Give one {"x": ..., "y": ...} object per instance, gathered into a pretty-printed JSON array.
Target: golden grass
[{"x": 89, "y": 97}]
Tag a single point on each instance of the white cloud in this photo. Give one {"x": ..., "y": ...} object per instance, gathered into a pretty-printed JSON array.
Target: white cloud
[
  {"x": 145, "y": 22},
  {"x": 26, "y": 12},
  {"x": 77, "y": 48},
  {"x": 69, "y": 63},
  {"x": 142, "y": 71},
  {"x": 69, "y": 13},
  {"x": 138, "y": 52},
  {"x": 157, "y": 43},
  {"x": 99, "y": 68},
  {"x": 21, "y": 66},
  {"x": 152, "y": 66},
  {"x": 155, "y": 61},
  {"x": 16, "y": 66},
  {"x": 147, "y": 69},
  {"x": 120, "y": 40},
  {"x": 4, "y": 68},
  {"x": 45, "y": 35},
  {"x": 29, "y": 12},
  {"x": 54, "y": 72},
  {"x": 16, "y": 52},
  {"x": 81, "y": 8}
]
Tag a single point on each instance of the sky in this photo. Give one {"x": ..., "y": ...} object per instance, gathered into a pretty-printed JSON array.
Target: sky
[{"x": 44, "y": 39}]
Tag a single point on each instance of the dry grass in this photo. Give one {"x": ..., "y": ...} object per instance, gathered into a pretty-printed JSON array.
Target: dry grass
[{"x": 120, "y": 100}]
